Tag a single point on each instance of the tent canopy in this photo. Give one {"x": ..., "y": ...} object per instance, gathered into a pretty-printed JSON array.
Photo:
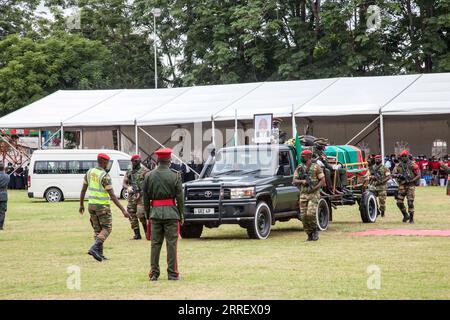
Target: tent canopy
[
  {"x": 430, "y": 94},
  {"x": 393, "y": 95}
]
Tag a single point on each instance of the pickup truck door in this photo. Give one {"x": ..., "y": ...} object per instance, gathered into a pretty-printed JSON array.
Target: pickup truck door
[{"x": 287, "y": 194}]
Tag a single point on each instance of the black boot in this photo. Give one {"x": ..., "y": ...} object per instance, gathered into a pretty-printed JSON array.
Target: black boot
[
  {"x": 101, "y": 252},
  {"x": 382, "y": 213},
  {"x": 405, "y": 216},
  {"x": 309, "y": 236},
  {"x": 95, "y": 250},
  {"x": 411, "y": 217},
  {"x": 137, "y": 234},
  {"x": 315, "y": 236}
]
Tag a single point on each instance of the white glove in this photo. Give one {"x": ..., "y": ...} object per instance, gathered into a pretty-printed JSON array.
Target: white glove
[
  {"x": 336, "y": 166},
  {"x": 320, "y": 163}
]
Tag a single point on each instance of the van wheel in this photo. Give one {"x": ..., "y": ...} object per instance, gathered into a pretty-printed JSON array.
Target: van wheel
[
  {"x": 191, "y": 231},
  {"x": 124, "y": 194},
  {"x": 262, "y": 222},
  {"x": 53, "y": 195}
]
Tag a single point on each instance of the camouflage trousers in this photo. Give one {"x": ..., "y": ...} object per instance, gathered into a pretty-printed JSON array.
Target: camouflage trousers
[
  {"x": 408, "y": 191},
  {"x": 308, "y": 207},
  {"x": 381, "y": 193},
  {"x": 101, "y": 221},
  {"x": 136, "y": 211},
  {"x": 3, "y": 208}
]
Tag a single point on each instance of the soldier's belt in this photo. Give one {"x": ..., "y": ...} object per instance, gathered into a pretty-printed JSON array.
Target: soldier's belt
[{"x": 162, "y": 202}]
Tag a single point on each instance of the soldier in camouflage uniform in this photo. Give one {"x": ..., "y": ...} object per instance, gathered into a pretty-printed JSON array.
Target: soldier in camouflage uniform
[
  {"x": 164, "y": 207},
  {"x": 320, "y": 157},
  {"x": 447, "y": 170},
  {"x": 310, "y": 178},
  {"x": 99, "y": 184},
  {"x": 379, "y": 176},
  {"x": 407, "y": 173},
  {"x": 133, "y": 181}
]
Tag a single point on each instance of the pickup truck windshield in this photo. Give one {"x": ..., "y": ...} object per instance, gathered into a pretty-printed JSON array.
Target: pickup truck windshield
[{"x": 243, "y": 161}]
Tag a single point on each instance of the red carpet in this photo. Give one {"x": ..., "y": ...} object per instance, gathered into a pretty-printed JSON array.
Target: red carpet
[{"x": 402, "y": 232}]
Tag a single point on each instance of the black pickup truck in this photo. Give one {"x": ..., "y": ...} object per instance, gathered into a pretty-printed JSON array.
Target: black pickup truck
[{"x": 246, "y": 185}]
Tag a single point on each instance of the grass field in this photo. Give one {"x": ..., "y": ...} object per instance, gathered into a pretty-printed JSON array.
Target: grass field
[{"x": 42, "y": 240}]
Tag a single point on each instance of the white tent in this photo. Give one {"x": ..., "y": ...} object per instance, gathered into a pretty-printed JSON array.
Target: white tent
[
  {"x": 197, "y": 104},
  {"x": 54, "y": 109},
  {"x": 125, "y": 107},
  {"x": 430, "y": 94},
  {"x": 356, "y": 96},
  {"x": 279, "y": 98}
]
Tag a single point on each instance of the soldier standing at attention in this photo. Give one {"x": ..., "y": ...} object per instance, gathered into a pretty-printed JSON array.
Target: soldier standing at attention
[
  {"x": 99, "y": 184},
  {"x": 4, "y": 182},
  {"x": 164, "y": 207},
  {"x": 446, "y": 169},
  {"x": 407, "y": 173},
  {"x": 310, "y": 178},
  {"x": 134, "y": 178},
  {"x": 379, "y": 176}
]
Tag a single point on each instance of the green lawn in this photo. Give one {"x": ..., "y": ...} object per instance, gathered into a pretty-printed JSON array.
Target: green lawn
[{"x": 42, "y": 240}]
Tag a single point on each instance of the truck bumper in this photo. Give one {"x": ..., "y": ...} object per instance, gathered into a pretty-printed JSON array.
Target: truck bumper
[{"x": 232, "y": 212}]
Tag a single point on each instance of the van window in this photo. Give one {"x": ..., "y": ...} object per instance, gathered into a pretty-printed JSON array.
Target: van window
[
  {"x": 64, "y": 167},
  {"x": 124, "y": 165}
]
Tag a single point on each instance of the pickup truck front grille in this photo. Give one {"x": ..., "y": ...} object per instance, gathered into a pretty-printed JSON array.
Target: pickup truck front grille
[{"x": 203, "y": 194}]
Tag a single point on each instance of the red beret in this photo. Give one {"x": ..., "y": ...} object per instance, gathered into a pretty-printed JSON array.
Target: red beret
[
  {"x": 378, "y": 157},
  {"x": 404, "y": 153},
  {"x": 135, "y": 157},
  {"x": 103, "y": 156},
  {"x": 306, "y": 152},
  {"x": 163, "y": 153}
]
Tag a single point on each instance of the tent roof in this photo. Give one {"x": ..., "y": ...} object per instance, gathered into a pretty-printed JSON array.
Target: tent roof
[
  {"x": 55, "y": 108},
  {"x": 197, "y": 104},
  {"x": 278, "y": 97},
  {"x": 430, "y": 94},
  {"x": 356, "y": 96},
  {"x": 125, "y": 107},
  {"x": 394, "y": 95}
]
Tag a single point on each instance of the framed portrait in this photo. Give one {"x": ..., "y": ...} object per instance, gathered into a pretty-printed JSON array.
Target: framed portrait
[{"x": 262, "y": 124}]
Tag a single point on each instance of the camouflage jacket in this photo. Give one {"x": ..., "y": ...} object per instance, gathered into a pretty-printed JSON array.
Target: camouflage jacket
[
  {"x": 321, "y": 155},
  {"x": 163, "y": 183},
  {"x": 380, "y": 172},
  {"x": 136, "y": 178},
  {"x": 409, "y": 169},
  {"x": 314, "y": 173}
]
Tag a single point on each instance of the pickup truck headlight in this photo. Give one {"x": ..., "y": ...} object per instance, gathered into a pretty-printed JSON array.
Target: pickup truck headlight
[{"x": 242, "y": 193}]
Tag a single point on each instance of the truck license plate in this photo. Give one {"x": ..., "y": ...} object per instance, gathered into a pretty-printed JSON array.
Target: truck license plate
[{"x": 203, "y": 210}]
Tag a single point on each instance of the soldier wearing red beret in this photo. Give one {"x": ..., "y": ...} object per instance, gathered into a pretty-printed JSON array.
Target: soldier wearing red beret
[
  {"x": 309, "y": 177},
  {"x": 99, "y": 184},
  {"x": 164, "y": 209},
  {"x": 407, "y": 173},
  {"x": 132, "y": 182}
]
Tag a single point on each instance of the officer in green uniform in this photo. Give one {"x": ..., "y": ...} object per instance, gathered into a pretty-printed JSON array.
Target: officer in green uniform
[
  {"x": 447, "y": 170},
  {"x": 133, "y": 181},
  {"x": 4, "y": 181},
  {"x": 320, "y": 157},
  {"x": 164, "y": 207},
  {"x": 407, "y": 173},
  {"x": 379, "y": 176},
  {"x": 310, "y": 178},
  {"x": 99, "y": 185}
]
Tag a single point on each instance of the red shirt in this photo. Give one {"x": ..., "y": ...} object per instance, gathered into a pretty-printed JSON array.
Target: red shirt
[{"x": 435, "y": 165}]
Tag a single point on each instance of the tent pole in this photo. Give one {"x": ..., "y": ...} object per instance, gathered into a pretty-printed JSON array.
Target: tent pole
[
  {"x": 163, "y": 146},
  {"x": 40, "y": 139},
  {"x": 382, "y": 136},
  {"x": 294, "y": 129},
  {"x": 81, "y": 138},
  {"x": 213, "y": 128},
  {"x": 136, "y": 136},
  {"x": 235, "y": 128},
  {"x": 62, "y": 136}
]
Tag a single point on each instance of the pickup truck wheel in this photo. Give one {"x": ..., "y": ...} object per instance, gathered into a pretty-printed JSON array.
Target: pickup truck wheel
[
  {"x": 262, "y": 222},
  {"x": 368, "y": 207},
  {"x": 191, "y": 231},
  {"x": 322, "y": 214}
]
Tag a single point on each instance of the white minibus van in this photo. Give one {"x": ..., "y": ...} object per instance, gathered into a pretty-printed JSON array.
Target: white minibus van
[{"x": 58, "y": 174}]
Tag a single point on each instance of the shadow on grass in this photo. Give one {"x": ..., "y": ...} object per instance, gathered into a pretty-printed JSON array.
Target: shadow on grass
[{"x": 274, "y": 233}]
